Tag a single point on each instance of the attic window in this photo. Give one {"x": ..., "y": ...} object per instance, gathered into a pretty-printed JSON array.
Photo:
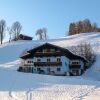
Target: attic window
[
  {"x": 45, "y": 50},
  {"x": 52, "y": 50}
]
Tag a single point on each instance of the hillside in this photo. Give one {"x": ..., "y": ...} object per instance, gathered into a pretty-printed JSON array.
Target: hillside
[{"x": 24, "y": 86}]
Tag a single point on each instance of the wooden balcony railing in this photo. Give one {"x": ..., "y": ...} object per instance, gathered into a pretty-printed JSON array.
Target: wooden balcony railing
[
  {"x": 75, "y": 66},
  {"x": 47, "y": 54},
  {"x": 47, "y": 63}
]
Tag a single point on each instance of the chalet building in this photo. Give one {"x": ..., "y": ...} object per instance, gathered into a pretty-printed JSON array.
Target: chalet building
[
  {"x": 51, "y": 59},
  {"x": 23, "y": 37}
]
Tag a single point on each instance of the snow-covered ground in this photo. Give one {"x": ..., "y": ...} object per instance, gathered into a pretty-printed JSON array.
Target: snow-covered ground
[{"x": 26, "y": 86}]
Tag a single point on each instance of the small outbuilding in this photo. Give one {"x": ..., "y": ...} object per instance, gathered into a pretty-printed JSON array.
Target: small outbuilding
[{"x": 23, "y": 37}]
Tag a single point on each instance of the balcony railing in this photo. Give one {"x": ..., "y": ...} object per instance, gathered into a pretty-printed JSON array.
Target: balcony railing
[
  {"x": 47, "y": 63},
  {"x": 75, "y": 66},
  {"x": 48, "y": 53}
]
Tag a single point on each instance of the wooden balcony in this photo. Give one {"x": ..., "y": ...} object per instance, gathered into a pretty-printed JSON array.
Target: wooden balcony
[
  {"x": 75, "y": 66},
  {"x": 40, "y": 54},
  {"x": 47, "y": 64}
]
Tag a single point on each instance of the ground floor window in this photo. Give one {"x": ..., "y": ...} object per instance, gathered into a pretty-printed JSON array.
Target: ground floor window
[
  {"x": 75, "y": 72},
  {"x": 48, "y": 69},
  {"x": 38, "y": 69},
  {"x": 58, "y": 69}
]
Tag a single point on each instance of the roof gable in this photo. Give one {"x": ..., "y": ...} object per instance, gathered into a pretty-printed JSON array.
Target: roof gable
[{"x": 64, "y": 51}]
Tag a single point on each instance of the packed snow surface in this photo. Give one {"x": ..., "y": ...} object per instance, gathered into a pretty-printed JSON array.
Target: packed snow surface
[{"x": 27, "y": 86}]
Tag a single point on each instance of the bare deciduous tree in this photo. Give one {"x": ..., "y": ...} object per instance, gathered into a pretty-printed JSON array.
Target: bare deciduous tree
[
  {"x": 82, "y": 27},
  {"x": 72, "y": 29},
  {"x": 2, "y": 29},
  {"x": 16, "y": 29},
  {"x": 39, "y": 33},
  {"x": 85, "y": 50},
  {"x": 42, "y": 33},
  {"x": 45, "y": 33},
  {"x": 10, "y": 33}
]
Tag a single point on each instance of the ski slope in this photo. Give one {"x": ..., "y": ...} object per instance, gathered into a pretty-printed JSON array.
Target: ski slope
[{"x": 26, "y": 86}]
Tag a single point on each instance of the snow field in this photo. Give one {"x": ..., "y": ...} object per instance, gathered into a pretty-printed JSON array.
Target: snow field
[{"x": 26, "y": 86}]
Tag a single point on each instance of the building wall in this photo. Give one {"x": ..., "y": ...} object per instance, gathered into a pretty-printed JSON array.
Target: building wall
[
  {"x": 64, "y": 69},
  {"x": 65, "y": 64},
  {"x": 81, "y": 63}
]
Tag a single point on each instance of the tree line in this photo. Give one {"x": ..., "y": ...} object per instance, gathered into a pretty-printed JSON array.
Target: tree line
[{"x": 83, "y": 26}]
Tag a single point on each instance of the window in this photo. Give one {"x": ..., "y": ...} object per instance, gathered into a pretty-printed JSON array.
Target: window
[
  {"x": 65, "y": 63},
  {"x": 32, "y": 62},
  {"x": 48, "y": 69},
  {"x": 52, "y": 50},
  {"x": 48, "y": 50},
  {"x": 75, "y": 62},
  {"x": 58, "y": 59},
  {"x": 38, "y": 69},
  {"x": 38, "y": 51},
  {"x": 45, "y": 50},
  {"x": 48, "y": 59},
  {"x": 57, "y": 50},
  {"x": 38, "y": 60},
  {"x": 58, "y": 69},
  {"x": 29, "y": 61},
  {"x": 75, "y": 72}
]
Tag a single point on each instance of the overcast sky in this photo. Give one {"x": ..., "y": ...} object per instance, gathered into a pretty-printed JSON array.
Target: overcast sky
[{"x": 55, "y": 15}]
